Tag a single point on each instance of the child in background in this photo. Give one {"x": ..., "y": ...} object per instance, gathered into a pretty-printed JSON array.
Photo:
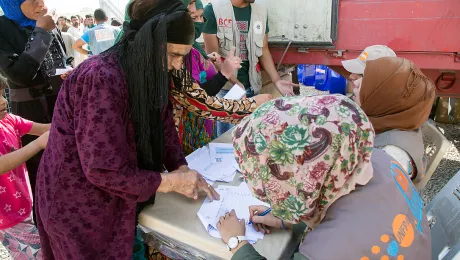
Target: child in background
[{"x": 17, "y": 230}]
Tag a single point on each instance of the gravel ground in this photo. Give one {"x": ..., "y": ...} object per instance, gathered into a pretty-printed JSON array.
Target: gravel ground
[
  {"x": 448, "y": 167},
  {"x": 4, "y": 254}
]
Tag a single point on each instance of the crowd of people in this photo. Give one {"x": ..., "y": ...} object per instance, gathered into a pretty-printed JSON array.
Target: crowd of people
[
  {"x": 79, "y": 34},
  {"x": 115, "y": 131}
]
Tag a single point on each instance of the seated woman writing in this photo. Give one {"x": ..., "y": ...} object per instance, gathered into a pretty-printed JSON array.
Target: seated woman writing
[
  {"x": 397, "y": 98},
  {"x": 312, "y": 159}
]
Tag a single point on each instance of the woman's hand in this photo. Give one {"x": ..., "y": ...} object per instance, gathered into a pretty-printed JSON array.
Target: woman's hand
[
  {"x": 262, "y": 98},
  {"x": 214, "y": 57},
  {"x": 263, "y": 223},
  {"x": 230, "y": 226},
  {"x": 285, "y": 87},
  {"x": 188, "y": 183},
  {"x": 65, "y": 75},
  {"x": 183, "y": 168},
  {"x": 231, "y": 64},
  {"x": 45, "y": 22}
]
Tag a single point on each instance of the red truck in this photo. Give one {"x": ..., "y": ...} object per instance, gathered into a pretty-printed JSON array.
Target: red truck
[
  {"x": 329, "y": 31},
  {"x": 424, "y": 31}
]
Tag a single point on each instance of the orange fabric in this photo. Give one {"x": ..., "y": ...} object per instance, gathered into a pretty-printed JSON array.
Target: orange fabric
[{"x": 395, "y": 94}]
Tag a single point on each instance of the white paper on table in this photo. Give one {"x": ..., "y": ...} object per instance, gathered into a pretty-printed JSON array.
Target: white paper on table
[
  {"x": 222, "y": 153},
  {"x": 215, "y": 172},
  {"x": 200, "y": 161},
  {"x": 235, "y": 93},
  {"x": 63, "y": 71},
  {"x": 237, "y": 198}
]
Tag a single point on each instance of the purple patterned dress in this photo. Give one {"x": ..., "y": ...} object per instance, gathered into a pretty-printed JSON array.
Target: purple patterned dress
[{"x": 89, "y": 183}]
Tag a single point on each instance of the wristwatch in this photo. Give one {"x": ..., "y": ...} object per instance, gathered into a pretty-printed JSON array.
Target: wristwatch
[{"x": 233, "y": 242}]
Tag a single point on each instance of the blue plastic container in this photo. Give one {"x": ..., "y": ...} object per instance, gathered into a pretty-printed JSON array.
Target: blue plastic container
[
  {"x": 336, "y": 83},
  {"x": 322, "y": 78},
  {"x": 300, "y": 70}
]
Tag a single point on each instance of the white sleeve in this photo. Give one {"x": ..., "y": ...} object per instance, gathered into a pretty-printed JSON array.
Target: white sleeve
[{"x": 402, "y": 157}]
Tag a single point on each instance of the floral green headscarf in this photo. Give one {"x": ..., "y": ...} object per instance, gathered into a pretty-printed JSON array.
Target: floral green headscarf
[{"x": 300, "y": 154}]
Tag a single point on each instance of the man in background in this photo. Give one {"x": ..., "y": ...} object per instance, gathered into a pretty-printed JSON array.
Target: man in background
[
  {"x": 61, "y": 22},
  {"x": 357, "y": 66},
  {"x": 76, "y": 32},
  {"x": 89, "y": 23},
  {"x": 81, "y": 21},
  {"x": 75, "y": 29},
  {"x": 100, "y": 38},
  {"x": 248, "y": 33}
]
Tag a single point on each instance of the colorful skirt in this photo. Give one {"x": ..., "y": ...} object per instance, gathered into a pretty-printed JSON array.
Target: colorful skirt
[
  {"x": 22, "y": 241},
  {"x": 195, "y": 132},
  {"x": 142, "y": 252},
  {"x": 156, "y": 255}
]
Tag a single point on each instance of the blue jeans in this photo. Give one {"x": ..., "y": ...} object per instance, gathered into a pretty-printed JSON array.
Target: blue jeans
[{"x": 222, "y": 128}]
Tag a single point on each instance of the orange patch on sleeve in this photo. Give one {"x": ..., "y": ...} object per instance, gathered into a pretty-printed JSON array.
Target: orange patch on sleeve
[
  {"x": 385, "y": 238},
  {"x": 375, "y": 250}
]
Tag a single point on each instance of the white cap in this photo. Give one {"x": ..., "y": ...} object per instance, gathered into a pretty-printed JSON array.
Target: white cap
[{"x": 358, "y": 65}]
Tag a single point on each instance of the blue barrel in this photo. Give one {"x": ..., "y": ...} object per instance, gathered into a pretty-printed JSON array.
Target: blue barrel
[
  {"x": 336, "y": 83},
  {"x": 322, "y": 78},
  {"x": 307, "y": 74},
  {"x": 300, "y": 70}
]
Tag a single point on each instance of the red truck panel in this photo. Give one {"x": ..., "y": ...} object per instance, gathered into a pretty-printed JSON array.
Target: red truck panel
[{"x": 424, "y": 31}]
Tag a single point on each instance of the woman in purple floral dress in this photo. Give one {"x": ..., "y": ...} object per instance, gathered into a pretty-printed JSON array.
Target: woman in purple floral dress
[{"x": 112, "y": 135}]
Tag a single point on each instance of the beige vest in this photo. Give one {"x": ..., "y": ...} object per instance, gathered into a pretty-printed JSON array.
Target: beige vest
[
  {"x": 228, "y": 35},
  {"x": 384, "y": 219}
]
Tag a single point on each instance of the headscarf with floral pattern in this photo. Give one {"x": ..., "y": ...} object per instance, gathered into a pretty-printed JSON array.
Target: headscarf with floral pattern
[{"x": 301, "y": 154}]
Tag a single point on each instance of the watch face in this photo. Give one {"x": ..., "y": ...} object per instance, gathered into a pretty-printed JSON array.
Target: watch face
[{"x": 233, "y": 242}]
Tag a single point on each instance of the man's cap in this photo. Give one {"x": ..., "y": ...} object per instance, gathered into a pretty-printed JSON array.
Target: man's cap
[{"x": 358, "y": 65}]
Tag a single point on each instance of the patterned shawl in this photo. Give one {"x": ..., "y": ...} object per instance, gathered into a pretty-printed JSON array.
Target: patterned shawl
[{"x": 300, "y": 154}]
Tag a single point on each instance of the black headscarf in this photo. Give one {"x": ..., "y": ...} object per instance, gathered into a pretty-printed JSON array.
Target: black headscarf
[
  {"x": 142, "y": 52},
  {"x": 143, "y": 57}
]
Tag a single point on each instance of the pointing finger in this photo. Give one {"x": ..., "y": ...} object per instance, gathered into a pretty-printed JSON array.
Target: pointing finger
[{"x": 195, "y": 194}]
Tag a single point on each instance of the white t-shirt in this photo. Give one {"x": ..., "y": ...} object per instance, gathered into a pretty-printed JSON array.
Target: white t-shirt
[{"x": 75, "y": 32}]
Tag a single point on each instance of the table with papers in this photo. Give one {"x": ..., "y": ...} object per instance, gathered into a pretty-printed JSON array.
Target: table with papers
[{"x": 174, "y": 219}]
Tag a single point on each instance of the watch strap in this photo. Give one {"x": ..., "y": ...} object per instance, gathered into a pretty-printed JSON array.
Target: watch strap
[{"x": 240, "y": 239}]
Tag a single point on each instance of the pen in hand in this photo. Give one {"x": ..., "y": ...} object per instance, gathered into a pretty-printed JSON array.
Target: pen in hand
[{"x": 262, "y": 214}]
